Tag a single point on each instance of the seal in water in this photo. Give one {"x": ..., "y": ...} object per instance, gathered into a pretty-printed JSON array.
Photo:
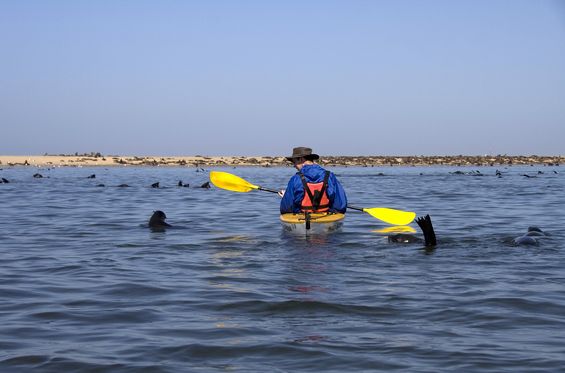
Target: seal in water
[
  {"x": 425, "y": 224},
  {"x": 155, "y": 185},
  {"x": 530, "y": 238},
  {"x": 157, "y": 220}
]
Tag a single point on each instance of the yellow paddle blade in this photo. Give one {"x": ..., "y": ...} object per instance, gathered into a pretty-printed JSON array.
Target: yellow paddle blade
[
  {"x": 396, "y": 229},
  {"x": 395, "y": 217},
  {"x": 231, "y": 182}
]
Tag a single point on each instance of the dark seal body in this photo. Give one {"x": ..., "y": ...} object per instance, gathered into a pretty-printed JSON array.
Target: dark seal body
[
  {"x": 157, "y": 220},
  {"x": 531, "y": 237}
]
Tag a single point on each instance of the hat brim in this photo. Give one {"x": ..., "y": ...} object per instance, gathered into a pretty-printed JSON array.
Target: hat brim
[{"x": 310, "y": 157}]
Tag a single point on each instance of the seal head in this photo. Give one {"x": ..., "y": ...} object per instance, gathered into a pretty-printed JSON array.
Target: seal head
[{"x": 157, "y": 220}]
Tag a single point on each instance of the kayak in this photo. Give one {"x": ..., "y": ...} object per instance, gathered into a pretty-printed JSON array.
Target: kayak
[{"x": 320, "y": 222}]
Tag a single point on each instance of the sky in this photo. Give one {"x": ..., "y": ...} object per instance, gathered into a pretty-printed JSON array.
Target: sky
[{"x": 251, "y": 78}]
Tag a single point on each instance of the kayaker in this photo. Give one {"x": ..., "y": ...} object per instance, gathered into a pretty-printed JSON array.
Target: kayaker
[{"x": 326, "y": 192}]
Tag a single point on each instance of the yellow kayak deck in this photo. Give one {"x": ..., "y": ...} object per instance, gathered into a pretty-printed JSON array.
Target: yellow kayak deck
[{"x": 315, "y": 218}]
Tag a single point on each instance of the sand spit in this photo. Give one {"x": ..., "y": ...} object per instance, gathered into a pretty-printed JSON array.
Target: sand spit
[{"x": 265, "y": 161}]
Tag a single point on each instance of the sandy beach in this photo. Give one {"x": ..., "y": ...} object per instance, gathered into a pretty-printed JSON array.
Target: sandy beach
[{"x": 270, "y": 161}]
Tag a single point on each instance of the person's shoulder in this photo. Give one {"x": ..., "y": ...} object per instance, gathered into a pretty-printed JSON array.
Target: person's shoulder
[{"x": 295, "y": 178}]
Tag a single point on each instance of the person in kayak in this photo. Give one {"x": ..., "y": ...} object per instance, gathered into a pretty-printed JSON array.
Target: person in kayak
[{"x": 323, "y": 191}]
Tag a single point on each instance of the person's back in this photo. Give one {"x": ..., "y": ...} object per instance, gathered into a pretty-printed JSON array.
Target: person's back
[{"x": 312, "y": 188}]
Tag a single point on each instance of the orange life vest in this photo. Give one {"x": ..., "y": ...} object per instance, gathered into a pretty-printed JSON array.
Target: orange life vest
[{"x": 315, "y": 195}]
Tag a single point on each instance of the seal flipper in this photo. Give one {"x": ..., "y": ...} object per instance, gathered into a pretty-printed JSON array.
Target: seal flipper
[{"x": 427, "y": 228}]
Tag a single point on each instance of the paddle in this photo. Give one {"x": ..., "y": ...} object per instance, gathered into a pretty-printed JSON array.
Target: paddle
[
  {"x": 225, "y": 180},
  {"x": 234, "y": 183},
  {"x": 391, "y": 216}
]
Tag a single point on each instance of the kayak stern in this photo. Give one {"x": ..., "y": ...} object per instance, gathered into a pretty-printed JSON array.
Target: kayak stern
[{"x": 312, "y": 223}]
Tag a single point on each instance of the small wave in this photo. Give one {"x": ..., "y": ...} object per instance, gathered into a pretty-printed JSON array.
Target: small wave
[
  {"x": 18, "y": 293},
  {"x": 207, "y": 351},
  {"x": 29, "y": 360},
  {"x": 100, "y": 316},
  {"x": 299, "y": 306},
  {"x": 67, "y": 269},
  {"x": 44, "y": 363},
  {"x": 133, "y": 289}
]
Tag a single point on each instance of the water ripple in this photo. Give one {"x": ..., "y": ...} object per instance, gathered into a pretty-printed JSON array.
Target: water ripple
[{"x": 86, "y": 286}]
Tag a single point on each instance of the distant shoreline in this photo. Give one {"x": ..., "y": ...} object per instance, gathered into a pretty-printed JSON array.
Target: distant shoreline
[{"x": 266, "y": 161}]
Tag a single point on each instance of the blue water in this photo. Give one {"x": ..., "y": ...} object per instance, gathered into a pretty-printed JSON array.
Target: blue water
[{"x": 86, "y": 286}]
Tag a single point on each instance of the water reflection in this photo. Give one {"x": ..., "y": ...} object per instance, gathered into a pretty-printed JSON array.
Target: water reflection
[{"x": 230, "y": 286}]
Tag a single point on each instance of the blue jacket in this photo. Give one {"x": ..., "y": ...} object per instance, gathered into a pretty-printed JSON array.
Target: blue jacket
[{"x": 314, "y": 174}]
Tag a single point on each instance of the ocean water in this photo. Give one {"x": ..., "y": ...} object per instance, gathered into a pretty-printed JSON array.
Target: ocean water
[{"x": 86, "y": 286}]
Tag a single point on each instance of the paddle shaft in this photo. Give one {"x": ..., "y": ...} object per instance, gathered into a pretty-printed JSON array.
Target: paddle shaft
[
  {"x": 268, "y": 190},
  {"x": 355, "y": 208}
]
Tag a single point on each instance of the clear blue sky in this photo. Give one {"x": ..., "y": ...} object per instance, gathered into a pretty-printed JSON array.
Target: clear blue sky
[{"x": 241, "y": 77}]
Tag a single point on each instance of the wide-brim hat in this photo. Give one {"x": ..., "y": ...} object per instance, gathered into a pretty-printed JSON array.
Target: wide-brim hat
[{"x": 302, "y": 152}]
